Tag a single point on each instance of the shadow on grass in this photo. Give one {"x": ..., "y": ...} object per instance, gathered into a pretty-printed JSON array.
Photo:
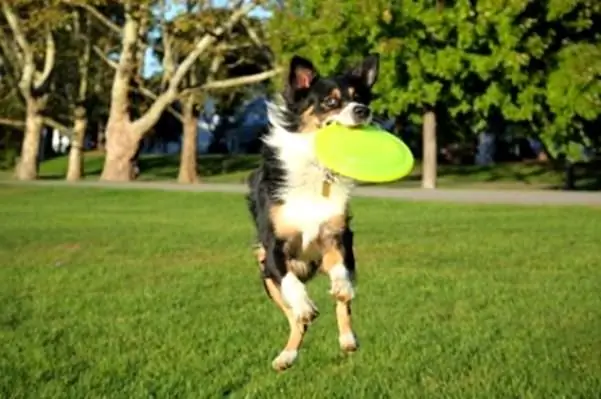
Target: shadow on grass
[
  {"x": 166, "y": 167},
  {"x": 154, "y": 167},
  {"x": 235, "y": 168}
]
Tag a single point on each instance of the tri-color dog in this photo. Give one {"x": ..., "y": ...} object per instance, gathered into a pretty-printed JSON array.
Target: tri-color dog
[{"x": 301, "y": 209}]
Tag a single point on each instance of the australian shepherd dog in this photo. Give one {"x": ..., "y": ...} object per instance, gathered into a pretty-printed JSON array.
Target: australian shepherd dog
[{"x": 299, "y": 207}]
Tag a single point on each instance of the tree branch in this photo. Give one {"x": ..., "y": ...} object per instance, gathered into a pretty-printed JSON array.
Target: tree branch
[
  {"x": 56, "y": 125},
  {"x": 204, "y": 43},
  {"x": 144, "y": 123},
  {"x": 98, "y": 15},
  {"x": 141, "y": 88},
  {"x": 233, "y": 82},
  {"x": 104, "y": 58},
  {"x": 11, "y": 61},
  {"x": 84, "y": 62},
  {"x": 168, "y": 58},
  {"x": 254, "y": 38},
  {"x": 14, "y": 24},
  {"x": 149, "y": 94},
  {"x": 49, "y": 60},
  {"x": 142, "y": 35},
  {"x": 12, "y": 123},
  {"x": 125, "y": 66},
  {"x": 28, "y": 67}
]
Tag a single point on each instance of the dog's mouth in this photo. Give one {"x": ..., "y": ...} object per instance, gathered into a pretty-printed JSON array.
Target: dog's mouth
[{"x": 333, "y": 120}]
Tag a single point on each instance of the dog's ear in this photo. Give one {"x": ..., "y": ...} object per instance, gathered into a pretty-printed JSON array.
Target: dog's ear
[
  {"x": 302, "y": 73},
  {"x": 367, "y": 70}
]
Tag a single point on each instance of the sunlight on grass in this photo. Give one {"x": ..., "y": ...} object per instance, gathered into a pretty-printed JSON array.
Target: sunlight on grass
[{"x": 112, "y": 293}]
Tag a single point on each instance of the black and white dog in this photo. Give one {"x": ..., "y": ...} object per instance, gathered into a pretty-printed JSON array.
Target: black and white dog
[{"x": 300, "y": 209}]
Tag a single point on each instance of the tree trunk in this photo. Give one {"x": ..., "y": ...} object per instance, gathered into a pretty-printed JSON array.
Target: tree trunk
[
  {"x": 75, "y": 166},
  {"x": 28, "y": 166},
  {"x": 429, "y": 151},
  {"x": 187, "y": 164},
  {"x": 100, "y": 138},
  {"x": 569, "y": 176},
  {"x": 121, "y": 148}
]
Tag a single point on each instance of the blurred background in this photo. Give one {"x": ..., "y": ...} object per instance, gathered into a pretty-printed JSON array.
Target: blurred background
[{"x": 499, "y": 94}]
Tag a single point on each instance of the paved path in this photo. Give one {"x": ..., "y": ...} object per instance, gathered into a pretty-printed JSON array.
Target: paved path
[{"x": 525, "y": 197}]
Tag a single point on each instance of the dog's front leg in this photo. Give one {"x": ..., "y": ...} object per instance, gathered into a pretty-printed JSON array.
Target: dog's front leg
[{"x": 333, "y": 263}]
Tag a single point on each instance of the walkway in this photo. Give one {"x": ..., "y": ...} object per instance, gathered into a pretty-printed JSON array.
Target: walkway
[{"x": 525, "y": 197}]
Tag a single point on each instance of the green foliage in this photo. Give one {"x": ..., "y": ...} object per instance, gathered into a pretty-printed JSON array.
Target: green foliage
[{"x": 534, "y": 63}]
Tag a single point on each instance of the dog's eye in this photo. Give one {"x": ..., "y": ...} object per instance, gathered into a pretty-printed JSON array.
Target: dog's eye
[{"x": 331, "y": 102}]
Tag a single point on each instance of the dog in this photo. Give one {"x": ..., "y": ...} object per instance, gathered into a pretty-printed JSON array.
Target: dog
[{"x": 301, "y": 209}]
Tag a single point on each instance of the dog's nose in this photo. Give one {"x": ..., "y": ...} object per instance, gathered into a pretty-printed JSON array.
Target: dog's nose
[{"x": 361, "y": 112}]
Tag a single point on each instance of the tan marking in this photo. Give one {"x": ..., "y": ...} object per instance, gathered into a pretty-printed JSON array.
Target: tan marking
[
  {"x": 331, "y": 242},
  {"x": 335, "y": 225},
  {"x": 336, "y": 94},
  {"x": 260, "y": 254},
  {"x": 343, "y": 319},
  {"x": 351, "y": 91},
  {"x": 310, "y": 122}
]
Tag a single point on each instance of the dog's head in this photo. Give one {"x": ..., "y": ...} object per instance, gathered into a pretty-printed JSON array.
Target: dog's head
[{"x": 314, "y": 101}]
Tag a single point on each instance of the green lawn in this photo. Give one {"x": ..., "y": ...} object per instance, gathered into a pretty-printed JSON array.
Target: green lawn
[
  {"x": 216, "y": 168},
  {"x": 126, "y": 294}
]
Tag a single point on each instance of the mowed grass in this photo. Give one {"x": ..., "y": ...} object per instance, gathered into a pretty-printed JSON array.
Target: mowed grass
[{"x": 119, "y": 294}]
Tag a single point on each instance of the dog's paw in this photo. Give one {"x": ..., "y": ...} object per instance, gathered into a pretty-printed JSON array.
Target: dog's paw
[
  {"x": 305, "y": 311},
  {"x": 342, "y": 289},
  {"x": 284, "y": 360},
  {"x": 348, "y": 342}
]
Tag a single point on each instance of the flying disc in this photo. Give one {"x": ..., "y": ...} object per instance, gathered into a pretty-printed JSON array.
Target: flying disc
[{"x": 368, "y": 153}]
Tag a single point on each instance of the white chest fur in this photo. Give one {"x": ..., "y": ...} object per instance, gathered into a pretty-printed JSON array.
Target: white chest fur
[{"x": 305, "y": 207}]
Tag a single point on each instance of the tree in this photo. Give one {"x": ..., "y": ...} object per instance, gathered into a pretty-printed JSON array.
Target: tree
[
  {"x": 124, "y": 132},
  {"x": 239, "y": 61},
  {"x": 80, "y": 104},
  {"x": 27, "y": 50},
  {"x": 573, "y": 88},
  {"x": 465, "y": 63}
]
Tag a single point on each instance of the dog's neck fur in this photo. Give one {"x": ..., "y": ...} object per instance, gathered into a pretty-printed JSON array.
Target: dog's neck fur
[
  {"x": 302, "y": 190},
  {"x": 304, "y": 173}
]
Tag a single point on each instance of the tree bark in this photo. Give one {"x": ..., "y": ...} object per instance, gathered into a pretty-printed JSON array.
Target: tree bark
[
  {"x": 429, "y": 160},
  {"x": 75, "y": 166},
  {"x": 187, "y": 164},
  {"x": 120, "y": 150},
  {"x": 120, "y": 142},
  {"x": 28, "y": 166}
]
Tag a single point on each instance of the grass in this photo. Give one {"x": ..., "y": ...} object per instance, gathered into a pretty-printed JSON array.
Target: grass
[
  {"x": 122, "y": 294},
  {"x": 234, "y": 169}
]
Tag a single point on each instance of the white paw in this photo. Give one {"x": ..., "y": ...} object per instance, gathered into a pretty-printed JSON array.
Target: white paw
[
  {"x": 284, "y": 360},
  {"x": 348, "y": 342},
  {"x": 342, "y": 287}
]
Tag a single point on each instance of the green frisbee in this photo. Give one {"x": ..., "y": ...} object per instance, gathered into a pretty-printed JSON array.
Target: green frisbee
[{"x": 368, "y": 153}]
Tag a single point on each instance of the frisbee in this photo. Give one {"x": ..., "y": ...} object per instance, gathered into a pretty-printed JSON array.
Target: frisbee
[{"x": 368, "y": 153}]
